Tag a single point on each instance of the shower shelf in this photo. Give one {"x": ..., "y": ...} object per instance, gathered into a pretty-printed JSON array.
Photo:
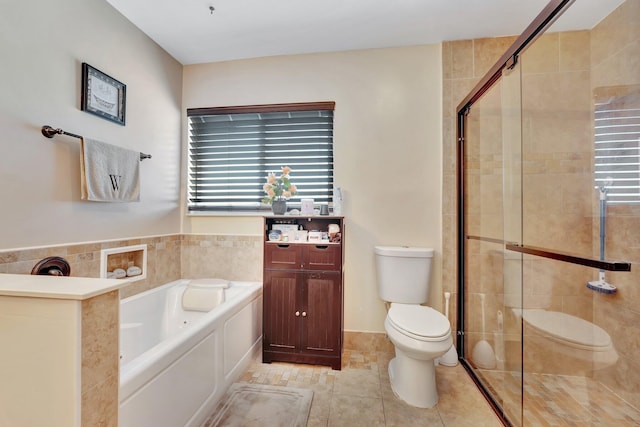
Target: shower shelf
[{"x": 558, "y": 256}]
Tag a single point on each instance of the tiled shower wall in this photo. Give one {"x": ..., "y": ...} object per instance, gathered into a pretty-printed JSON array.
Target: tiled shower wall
[
  {"x": 615, "y": 64},
  {"x": 169, "y": 258},
  {"x": 464, "y": 63},
  {"x": 556, "y": 171}
]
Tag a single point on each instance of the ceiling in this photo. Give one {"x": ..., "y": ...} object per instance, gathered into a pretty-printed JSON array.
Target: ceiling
[{"x": 239, "y": 29}]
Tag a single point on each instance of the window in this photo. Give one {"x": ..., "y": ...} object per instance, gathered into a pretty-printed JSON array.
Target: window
[
  {"x": 617, "y": 142},
  {"x": 232, "y": 149}
]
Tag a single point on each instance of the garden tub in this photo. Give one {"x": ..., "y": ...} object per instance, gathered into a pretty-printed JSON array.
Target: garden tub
[{"x": 175, "y": 364}]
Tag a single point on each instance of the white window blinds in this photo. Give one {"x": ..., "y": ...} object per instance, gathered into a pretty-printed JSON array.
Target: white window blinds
[
  {"x": 617, "y": 142},
  {"x": 232, "y": 150}
]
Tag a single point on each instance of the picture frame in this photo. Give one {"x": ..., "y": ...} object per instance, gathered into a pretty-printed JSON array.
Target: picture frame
[{"x": 103, "y": 95}]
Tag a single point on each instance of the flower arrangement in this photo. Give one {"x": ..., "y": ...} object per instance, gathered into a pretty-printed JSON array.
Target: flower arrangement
[{"x": 278, "y": 188}]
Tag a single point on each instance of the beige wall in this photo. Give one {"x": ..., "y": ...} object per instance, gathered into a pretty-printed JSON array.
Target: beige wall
[
  {"x": 388, "y": 108},
  {"x": 388, "y": 156},
  {"x": 43, "y": 46}
]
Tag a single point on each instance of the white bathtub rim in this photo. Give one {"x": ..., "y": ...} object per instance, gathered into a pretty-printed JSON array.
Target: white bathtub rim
[
  {"x": 182, "y": 282},
  {"x": 138, "y": 371},
  {"x": 198, "y": 331},
  {"x": 131, "y": 375},
  {"x": 189, "y": 333},
  {"x": 156, "y": 289}
]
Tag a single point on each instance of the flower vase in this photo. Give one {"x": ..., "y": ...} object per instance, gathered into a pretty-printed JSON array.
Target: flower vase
[{"x": 279, "y": 207}]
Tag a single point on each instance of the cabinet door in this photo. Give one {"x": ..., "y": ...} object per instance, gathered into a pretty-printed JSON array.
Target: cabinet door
[
  {"x": 322, "y": 314},
  {"x": 281, "y": 314}
]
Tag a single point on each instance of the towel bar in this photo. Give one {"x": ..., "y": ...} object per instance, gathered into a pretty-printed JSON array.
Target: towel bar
[{"x": 50, "y": 132}]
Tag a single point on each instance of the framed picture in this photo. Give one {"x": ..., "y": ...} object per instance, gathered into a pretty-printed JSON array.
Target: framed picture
[{"x": 103, "y": 95}]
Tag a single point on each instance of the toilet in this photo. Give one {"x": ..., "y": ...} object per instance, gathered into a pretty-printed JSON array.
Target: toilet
[
  {"x": 574, "y": 345},
  {"x": 419, "y": 333}
]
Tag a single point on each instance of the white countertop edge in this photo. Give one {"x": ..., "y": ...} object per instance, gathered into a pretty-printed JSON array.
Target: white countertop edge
[{"x": 69, "y": 288}]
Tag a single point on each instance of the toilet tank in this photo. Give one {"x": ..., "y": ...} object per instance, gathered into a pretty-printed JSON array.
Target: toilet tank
[
  {"x": 513, "y": 264},
  {"x": 403, "y": 273}
]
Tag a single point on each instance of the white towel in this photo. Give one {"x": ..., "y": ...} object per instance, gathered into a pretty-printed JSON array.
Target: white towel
[
  {"x": 119, "y": 273},
  {"x": 109, "y": 173}
]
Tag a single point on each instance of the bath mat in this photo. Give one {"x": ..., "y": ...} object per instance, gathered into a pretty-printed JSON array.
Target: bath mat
[{"x": 262, "y": 405}]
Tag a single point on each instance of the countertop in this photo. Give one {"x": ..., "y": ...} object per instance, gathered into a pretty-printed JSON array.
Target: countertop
[{"x": 56, "y": 287}]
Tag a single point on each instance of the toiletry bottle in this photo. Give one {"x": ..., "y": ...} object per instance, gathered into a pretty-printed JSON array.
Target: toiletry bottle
[{"x": 337, "y": 201}]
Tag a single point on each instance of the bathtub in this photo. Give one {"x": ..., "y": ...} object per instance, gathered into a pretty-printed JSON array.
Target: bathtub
[{"x": 176, "y": 364}]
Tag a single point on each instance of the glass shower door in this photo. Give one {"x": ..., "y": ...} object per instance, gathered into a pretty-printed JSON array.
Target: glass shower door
[
  {"x": 581, "y": 197},
  {"x": 493, "y": 275}
]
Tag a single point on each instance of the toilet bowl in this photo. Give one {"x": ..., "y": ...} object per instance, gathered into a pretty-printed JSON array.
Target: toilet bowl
[
  {"x": 420, "y": 335},
  {"x": 565, "y": 344}
]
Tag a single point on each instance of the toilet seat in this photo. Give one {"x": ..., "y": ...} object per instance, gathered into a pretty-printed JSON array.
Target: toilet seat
[
  {"x": 419, "y": 322},
  {"x": 568, "y": 329}
]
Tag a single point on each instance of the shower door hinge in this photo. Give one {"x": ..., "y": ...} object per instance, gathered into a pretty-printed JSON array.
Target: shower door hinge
[{"x": 460, "y": 333}]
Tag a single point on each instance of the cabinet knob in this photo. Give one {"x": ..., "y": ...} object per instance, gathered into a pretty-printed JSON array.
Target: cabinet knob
[
  {"x": 304, "y": 314},
  {"x": 298, "y": 314}
]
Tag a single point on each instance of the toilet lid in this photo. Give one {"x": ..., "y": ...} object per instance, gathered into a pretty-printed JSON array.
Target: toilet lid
[
  {"x": 566, "y": 327},
  {"x": 418, "y": 321}
]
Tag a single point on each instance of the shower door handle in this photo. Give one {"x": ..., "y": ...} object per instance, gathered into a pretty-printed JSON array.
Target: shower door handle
[{"x": 570, "y": 258}]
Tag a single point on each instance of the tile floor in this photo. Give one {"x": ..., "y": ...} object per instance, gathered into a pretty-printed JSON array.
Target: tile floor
[
  {"x": 560, "y": 400},
  {"x": 360, "y": 394}
]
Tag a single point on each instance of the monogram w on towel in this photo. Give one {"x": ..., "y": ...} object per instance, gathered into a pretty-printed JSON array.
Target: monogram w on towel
[{"x": 109, "y": 173}]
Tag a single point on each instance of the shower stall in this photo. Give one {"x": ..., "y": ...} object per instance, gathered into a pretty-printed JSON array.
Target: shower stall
[{"x": 548, "y": 290}]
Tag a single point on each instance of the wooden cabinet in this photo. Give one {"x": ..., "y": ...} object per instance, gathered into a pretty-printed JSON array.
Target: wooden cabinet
[{"x": 303, "y": 293}]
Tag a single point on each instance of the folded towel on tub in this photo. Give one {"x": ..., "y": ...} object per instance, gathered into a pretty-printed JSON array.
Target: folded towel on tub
[
  {"x": 109, "y": 173},
  {"x": 204, "y": 294}
]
